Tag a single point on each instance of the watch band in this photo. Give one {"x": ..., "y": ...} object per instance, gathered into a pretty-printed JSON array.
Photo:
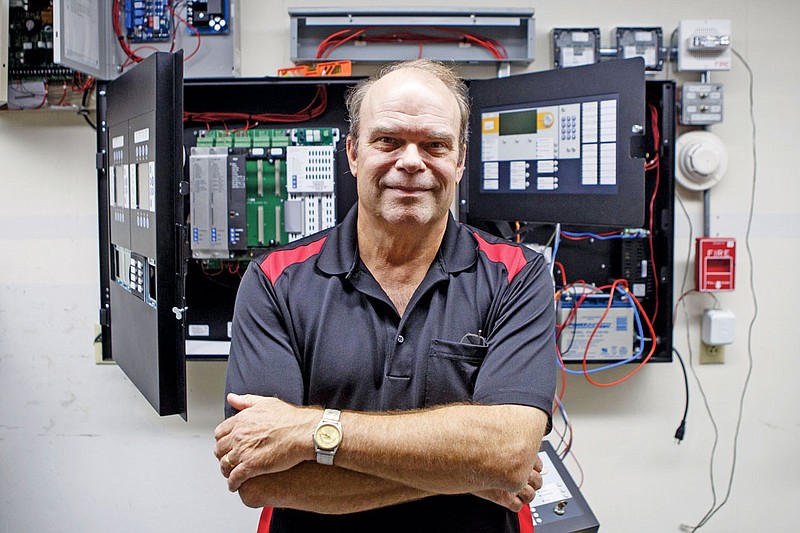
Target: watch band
[
  {"x": 325, "y": 457},
  {"x": 331, "y": 415}
]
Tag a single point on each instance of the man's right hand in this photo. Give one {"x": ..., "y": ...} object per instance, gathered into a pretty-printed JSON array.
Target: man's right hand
[
  {"x": 514, "y": 501},
  {"x": 266, "y": 436}
]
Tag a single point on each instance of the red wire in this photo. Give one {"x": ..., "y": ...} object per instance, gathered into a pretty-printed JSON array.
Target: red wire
[
  {"x": 585, "y": 237},
  {"x": 324, "y": 49},
  {"x": 341, "y": 42},
  {"x": 88, "y": 85},
  {"x": 489, "y": 44},
  {"x": 44, "y": 98},
  {"x": 115, "y": 15},
  {"x": 586, "y": 374},
  {"x": 63, "y": 95},
  {"x": 656, "y": 142},
  {"x": 197, "y": 33},
  {"x": 326, "y": 40},
  {"x": 580, "y": 469},
  {"x": 560, "y": 328},
  {"x": 315, "y": 108},
  {"x": 653, "y": 163},
  {"x": 76, "y": 83},
  {"x": 567, "y": 427},
  {"x": 244, "y": 128},
  {"x": 130, "y": 61},
  {"x": 207, "y": 273}
]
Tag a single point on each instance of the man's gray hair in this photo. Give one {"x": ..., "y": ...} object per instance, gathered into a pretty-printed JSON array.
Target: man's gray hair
[{"x": 442, "y": 72}]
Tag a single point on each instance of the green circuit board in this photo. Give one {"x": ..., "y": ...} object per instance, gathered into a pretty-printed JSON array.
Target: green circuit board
[{"x": 266, "y": 194}]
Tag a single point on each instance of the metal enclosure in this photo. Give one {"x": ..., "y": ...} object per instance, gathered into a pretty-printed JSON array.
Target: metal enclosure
[
  {"x": 84, "y": 40},
  {"x": 514, "y": 27},
  {"x": 565, "y": 510},
  {"x": 622, "y": 82},
  {"x": 598, "y": 261},
  {"x": 141, "y": 228},
  {"x": 210, "y": 298},
  {"x": 149, "y": 341}
]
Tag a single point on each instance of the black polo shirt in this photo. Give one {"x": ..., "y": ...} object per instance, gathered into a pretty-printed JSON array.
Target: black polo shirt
[{"x": 313, "y": 327}]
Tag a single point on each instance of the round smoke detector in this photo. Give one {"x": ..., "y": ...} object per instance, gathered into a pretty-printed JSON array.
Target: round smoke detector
[{"x": 702, "y": 160}]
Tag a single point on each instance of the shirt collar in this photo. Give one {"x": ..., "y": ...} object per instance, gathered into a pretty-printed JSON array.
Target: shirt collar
[{"x": 339, "y": 254}]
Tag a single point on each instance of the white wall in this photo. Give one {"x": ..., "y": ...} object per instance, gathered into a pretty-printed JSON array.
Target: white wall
[{"x": 81, "y": 450}]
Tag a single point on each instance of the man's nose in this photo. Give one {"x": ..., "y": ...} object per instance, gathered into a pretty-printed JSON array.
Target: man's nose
[{"x": 410, "y": 159}]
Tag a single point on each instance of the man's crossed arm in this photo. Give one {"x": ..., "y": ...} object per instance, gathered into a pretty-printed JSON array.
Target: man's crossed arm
[{"x": 267, "y": 454}]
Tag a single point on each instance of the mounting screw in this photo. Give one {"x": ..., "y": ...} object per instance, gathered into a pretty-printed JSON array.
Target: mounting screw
[{"x": 560, "y": 508}]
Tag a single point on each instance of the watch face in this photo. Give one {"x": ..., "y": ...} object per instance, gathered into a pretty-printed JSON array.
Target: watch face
[{"x": 328, "y": 437}]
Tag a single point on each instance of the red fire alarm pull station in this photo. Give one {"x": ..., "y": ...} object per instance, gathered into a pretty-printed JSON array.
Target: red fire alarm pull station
[{"x": 715, "y": 264}]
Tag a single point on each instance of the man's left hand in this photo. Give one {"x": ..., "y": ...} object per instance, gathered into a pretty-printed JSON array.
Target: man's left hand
[
  {"x": 266, "y": 436},
  {"x": 513, "y": 501}
]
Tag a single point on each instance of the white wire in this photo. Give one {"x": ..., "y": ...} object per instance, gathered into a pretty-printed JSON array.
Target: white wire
[{"x": 703, "y": 521}]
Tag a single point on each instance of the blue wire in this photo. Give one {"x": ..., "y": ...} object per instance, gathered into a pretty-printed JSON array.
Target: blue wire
[
  {"x": 638, "y": 321},
  {"x": 636, "y": 235},
  {"x": 566, "y": 428},
  {"x": 556, "y": 245}
]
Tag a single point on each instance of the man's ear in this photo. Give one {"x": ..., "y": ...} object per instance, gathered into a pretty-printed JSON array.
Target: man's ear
[
  {"x": 462, "y": 163},
  {"x": 351, "y": 155}
]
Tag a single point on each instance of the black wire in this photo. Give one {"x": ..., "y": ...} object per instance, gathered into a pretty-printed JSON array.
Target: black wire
[
  {"x": 574, "y": 333},
  {"x": 88, "y": 121},
  {"x": 84, "y": 112},
  {"x": 679, "y": 433}
]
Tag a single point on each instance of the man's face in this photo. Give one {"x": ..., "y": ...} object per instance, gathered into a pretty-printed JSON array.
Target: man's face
[{"x": 407, "y": 163}]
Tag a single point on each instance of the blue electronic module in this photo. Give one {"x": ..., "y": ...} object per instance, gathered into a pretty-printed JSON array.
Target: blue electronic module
[{"x": 148, "y": 20}]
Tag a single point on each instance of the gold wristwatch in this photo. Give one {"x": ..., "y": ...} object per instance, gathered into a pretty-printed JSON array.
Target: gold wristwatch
[{"x": 328, "y": 436}]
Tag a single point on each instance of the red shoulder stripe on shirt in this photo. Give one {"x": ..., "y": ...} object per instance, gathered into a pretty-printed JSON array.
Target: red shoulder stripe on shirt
[
  {"x": 511, "y": 256},
  {"x": 276, "y": 262},
  {"x": 525, "y": 519}
]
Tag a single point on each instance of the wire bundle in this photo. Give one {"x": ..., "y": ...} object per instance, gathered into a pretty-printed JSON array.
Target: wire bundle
[
  {"x": 315, "y": 108},
  {"x": 437, "y": 35},
  {"x": 132, "y": 54},
  {"x": 619, "y": 287},
  {"x": 69, "y": 88}
]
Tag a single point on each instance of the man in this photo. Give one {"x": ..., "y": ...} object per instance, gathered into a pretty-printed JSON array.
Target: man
[{"x": 395, "y": 373}]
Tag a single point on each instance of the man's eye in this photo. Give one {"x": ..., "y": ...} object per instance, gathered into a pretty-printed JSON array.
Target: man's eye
[{"x": 385, "y": 143}]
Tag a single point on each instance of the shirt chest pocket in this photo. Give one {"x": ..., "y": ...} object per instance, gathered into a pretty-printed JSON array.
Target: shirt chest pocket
[{"x": 452, "y": 370}]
